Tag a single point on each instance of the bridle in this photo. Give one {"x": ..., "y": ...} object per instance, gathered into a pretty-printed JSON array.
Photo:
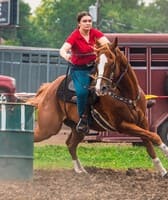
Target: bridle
[
  {"x": 114, "y": 85},
  {"x": 113, "y": 66},
  {"x": 105, "y": 78},
  {"x": 121, "y": 76}
]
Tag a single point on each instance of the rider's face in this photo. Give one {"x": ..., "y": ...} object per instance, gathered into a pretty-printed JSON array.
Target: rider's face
[{"x": 85, "y": 23}]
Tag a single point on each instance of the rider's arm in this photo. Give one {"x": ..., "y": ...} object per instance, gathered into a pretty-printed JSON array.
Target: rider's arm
[
  {"x": 64, "y": 51},
  {"x": 103, "y": 40}
]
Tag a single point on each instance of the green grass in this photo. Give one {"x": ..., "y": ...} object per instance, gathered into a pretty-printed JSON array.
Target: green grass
[{"x": 96, "y": 155}]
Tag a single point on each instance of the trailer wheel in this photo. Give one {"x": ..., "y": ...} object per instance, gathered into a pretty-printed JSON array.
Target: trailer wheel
[
  {"x": 163, "y": 131},
  {"x": 3, "y": 97}
]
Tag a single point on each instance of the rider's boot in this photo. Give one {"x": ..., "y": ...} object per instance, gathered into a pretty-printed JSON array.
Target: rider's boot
[{"x": 82, "y": 126}]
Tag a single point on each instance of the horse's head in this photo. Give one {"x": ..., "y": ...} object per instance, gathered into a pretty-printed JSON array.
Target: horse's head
[{"x": 106, "y": 67}]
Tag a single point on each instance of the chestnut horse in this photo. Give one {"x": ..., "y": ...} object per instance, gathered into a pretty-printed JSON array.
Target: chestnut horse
[{"x": 121, "y": 106}]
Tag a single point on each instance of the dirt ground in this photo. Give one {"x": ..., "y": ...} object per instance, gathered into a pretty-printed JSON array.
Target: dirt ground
[{"x": 98, "y": 184}]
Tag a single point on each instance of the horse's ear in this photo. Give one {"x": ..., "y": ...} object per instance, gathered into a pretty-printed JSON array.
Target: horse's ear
[
  {"x": 97, "y": 44},
  {"x": 114, "y": 44}
]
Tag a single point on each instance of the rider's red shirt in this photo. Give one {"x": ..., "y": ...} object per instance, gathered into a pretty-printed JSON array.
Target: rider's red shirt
[{"x": 82, "y": 51}]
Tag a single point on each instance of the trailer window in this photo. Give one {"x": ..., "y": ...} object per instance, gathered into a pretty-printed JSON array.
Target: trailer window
[
  {"x": 43, "y": 58},
  {"x": 54, "y": 59},
  {"x": 159, "y": 57},
  {"x": 35, "y": 58},
  {"x": 123, "y": 50},
  {"x": 25, "y": 58},
  {"x": 137, "y": 56}
]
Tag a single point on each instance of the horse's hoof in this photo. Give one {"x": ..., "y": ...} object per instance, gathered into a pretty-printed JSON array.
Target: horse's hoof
[
  {"x": 166, "y": 175},
  {"x": 130, "y": 172},
  {"x": 81, "y": 171},
  {"x": 84, "y": 171}
]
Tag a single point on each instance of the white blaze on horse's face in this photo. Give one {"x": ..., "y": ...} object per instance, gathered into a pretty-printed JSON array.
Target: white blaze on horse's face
[{"x": 100, "y": 68}]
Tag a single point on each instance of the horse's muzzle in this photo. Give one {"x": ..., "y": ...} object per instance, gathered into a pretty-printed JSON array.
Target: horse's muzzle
[{"x": 103, "y": 90}]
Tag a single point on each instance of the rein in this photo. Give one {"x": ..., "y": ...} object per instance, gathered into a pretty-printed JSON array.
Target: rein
[
  {"x": 84, "y": 54},
  {"x": 111, "y": 77},
  {"x": 121, "y": 76},
  {"x": 125, "y": 100},
  {"x": 105, "y": 78}
]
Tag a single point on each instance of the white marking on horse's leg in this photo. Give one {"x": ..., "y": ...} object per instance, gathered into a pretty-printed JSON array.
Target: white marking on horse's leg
[
  {"x": 78, "y": 167},
  {"x": 164, "y": 148},
  {"x": 81, "y": 167},
  {"x": 157, "y": 163}
]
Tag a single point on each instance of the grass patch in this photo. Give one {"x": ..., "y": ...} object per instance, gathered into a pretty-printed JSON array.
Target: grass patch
[{"x": 95, "y": 155}]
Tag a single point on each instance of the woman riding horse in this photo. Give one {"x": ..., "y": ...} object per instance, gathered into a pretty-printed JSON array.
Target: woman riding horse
[
  {"x": 81, "y": 61},
  {"x": 121, "y": 106}
]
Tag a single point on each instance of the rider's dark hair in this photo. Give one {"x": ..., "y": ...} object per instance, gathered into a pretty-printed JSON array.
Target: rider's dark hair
[{"x": 82, "y": 14}]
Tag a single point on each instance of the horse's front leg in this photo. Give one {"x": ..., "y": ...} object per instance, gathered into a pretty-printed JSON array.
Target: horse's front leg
[
  {"x": 72, "y": 143},
  {"x": 156, "y": 161},
  {"x": 149, "y": 138}
]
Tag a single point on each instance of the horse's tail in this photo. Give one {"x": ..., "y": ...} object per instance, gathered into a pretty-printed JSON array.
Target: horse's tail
[{"x": 34, "y": 101}]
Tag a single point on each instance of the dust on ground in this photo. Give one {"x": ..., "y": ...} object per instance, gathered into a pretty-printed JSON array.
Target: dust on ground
[{"x": 98, "y": 184}]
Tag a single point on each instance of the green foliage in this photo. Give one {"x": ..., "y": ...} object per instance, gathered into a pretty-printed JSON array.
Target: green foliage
[
  {"x": 12, "y": 42},
  {"x": 58, "y": 18},
  {"x": 54, "y": 20},
  {"x": 98, "y": 155}
]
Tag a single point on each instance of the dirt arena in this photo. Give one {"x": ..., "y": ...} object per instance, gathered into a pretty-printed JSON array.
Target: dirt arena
[{"x": 98, "y": 184}]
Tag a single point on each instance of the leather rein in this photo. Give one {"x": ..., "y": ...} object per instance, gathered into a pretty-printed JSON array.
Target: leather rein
[{"x": 111, "y": 92}]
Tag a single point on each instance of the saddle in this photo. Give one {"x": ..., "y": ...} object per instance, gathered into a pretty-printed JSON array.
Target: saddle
[{"x": 66, "y": 92}]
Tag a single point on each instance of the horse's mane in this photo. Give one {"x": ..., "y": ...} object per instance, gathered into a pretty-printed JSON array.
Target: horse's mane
[
  {"x": 124, "y": 61},
  {"x": 121, "y": 55},
  {"x": 39, "y": 95}
]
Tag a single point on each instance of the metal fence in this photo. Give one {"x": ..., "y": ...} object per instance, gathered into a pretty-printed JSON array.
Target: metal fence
[{"x": 31, "y": 66}]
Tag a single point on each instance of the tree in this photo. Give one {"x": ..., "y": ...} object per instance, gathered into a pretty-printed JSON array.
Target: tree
[
  {"x": 27, "y": 33},
  {"x": 10, "y": 33},
  {"x": 55, "y": 19},
  {"x": 58, "y": 18}
]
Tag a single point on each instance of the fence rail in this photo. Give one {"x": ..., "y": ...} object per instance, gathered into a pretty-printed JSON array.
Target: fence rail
[{"x": 31, "y": 66}]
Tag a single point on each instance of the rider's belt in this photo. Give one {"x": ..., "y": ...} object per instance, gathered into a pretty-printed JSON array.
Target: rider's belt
[{"x": 83, "y": 67}]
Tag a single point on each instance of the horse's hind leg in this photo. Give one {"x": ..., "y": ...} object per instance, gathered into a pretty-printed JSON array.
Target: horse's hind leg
[
  {"x": 43, "y": 134},
  {"x": 148, "y": 138},
  {"x": 156, "y": 161},
  {"x": 72, "y": 143},
  {"x": 38, "y": 137}
]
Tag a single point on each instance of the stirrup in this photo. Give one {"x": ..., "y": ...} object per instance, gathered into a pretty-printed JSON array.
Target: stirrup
[
  {"x": 150, "y": 103},
  {"x": 82, "y": 126}
]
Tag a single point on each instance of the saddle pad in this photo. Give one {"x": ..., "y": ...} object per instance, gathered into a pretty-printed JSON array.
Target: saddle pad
[{"x": 66, "y": 91}]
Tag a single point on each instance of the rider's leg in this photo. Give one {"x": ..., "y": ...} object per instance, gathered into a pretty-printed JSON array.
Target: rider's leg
[{"x": 81, "y": 81}]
